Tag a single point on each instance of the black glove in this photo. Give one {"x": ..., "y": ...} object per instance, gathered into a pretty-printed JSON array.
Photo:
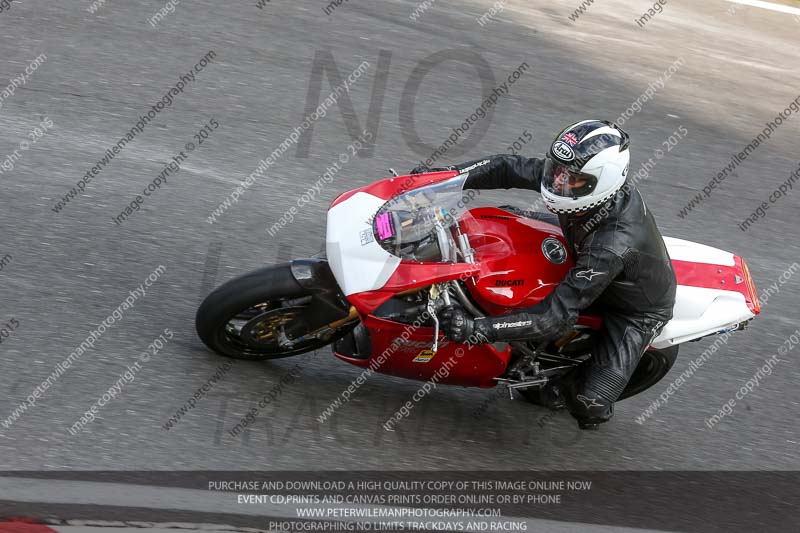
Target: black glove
[
  {"x": 422, "y": 169},
  {"x": 458, "y": 326}
]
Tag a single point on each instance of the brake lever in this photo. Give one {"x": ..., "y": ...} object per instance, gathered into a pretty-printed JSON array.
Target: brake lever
[
  {"x": 432, "y": 312},
  {"x": 433, "y": 296}
]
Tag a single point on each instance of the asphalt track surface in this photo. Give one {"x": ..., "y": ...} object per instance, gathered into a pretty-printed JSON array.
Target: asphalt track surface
[{"x": 70, "y": 270}]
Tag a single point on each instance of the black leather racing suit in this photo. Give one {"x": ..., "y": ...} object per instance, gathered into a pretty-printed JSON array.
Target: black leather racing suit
[{"x": 621, "y": 268}]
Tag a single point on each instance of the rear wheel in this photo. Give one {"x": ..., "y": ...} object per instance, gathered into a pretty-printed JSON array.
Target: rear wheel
[
  {"x": 654, "y": 365},
  {"x": 261, "y": 316}
]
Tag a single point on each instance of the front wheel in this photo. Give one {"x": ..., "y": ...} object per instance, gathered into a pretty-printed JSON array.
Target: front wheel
[{"x": 260, "y": 316}]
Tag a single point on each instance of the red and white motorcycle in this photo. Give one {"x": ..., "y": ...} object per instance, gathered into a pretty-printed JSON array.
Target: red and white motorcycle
[{"x": 403, "y": 248}]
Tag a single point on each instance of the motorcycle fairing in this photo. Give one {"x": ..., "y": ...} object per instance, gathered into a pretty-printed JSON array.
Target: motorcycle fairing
[
  {"x": 515, "y": 273},
  {"x": 396, "y": 346},
  {"x": 358, "y": 261},
  {"x": 715, "y": 291}
]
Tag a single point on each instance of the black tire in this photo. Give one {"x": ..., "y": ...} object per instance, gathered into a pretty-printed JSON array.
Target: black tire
[
  {"x": 652, "y": 367},
  {"x": 267, "y": 294}
]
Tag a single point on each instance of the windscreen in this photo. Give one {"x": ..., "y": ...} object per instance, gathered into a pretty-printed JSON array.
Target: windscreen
[{"x": 418, "y": 225}]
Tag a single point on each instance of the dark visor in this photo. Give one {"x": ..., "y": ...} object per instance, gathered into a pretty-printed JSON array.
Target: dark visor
[{"x": 561, "y": 180}]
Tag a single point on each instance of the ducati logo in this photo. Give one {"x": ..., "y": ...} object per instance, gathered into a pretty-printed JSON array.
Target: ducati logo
[
  {"x": 509, "y": 282},
  {"x": 588, "y": 402},
  {"x": 588, "y": 274}
]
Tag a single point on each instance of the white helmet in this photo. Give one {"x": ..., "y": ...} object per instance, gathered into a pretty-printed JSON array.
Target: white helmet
[{"x": 586, "y": 165}]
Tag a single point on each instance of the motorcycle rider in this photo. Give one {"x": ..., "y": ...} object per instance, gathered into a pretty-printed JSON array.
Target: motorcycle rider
[{"x": 621, "y": 266}]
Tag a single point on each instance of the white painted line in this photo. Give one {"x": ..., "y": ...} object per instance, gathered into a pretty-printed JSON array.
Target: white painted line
[{"x": 768, "y": 5}]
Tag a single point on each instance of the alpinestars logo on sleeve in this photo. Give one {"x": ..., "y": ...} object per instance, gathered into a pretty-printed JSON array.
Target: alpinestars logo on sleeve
[
  {"x": 588, "y": 402},
  {"x": 588, "y": 274},
  {"x": 518, "y": 324},
  {"x": 476, "y": 165}
]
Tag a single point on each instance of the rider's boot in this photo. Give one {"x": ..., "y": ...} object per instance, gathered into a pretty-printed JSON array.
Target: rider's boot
[
  {"x": 549, "y": 396},
  {"x": 584, "y": 404}
]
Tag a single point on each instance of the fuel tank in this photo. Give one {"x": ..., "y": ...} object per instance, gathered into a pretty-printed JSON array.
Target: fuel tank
[{"x": 521, "y": 259}]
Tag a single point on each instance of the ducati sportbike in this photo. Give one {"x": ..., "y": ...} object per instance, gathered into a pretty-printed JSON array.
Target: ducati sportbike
[{"x": 403, "y": 248}]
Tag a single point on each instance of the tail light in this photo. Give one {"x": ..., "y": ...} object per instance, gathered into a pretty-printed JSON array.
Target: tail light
[{"x": 752, "y": 302}]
